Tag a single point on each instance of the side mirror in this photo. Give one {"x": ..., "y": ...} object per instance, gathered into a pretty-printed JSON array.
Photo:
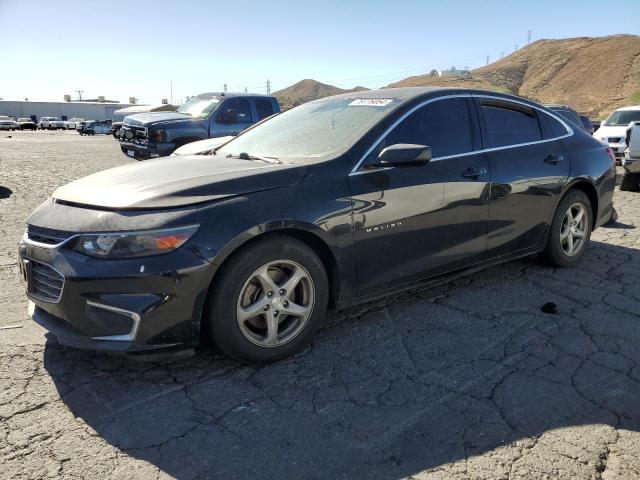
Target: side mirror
[{"x": 404, "y": 154}]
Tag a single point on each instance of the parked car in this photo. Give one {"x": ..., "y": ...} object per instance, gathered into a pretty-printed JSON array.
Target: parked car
[
  {"x": 50, "y": 123},
  {"x": 331, "y": 203},
  {"x": 91, "y": 127},
  {"x": 612, "y": 130},
  {"x": 7, "y": 123},
  {"x": 26, "y": 124},
  {"x": 586, "y": 124},
  {"x": 208, "y": 115},
  {"x": 567, "y": 113},
  {"x": 631, "y": 161},
  {"x": 115, "y": 129},
  {"x": 71, "y": 124}
]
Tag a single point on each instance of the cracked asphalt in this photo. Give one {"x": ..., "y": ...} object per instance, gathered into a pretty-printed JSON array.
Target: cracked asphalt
[{"x": 468, "y": 380}]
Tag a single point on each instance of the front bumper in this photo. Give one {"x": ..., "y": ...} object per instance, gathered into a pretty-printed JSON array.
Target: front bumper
[
  {"x": 131, "y": 306},
  {"x": 148, "y": 150}
]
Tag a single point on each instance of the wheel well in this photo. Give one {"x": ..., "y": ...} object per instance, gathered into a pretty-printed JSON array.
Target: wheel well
[
  {"x": 312, "y": 241},
  {"x": 591, "y": 193}
]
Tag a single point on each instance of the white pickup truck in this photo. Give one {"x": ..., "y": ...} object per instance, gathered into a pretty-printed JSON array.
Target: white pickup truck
[{"x": 631, "y": 159}]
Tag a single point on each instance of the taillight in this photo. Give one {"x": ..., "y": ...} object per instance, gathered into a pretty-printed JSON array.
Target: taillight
[{"x": 612, "y": 157}]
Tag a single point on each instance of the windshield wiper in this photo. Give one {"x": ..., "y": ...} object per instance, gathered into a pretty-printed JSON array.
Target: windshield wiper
[{"x": 246, "y": 156}]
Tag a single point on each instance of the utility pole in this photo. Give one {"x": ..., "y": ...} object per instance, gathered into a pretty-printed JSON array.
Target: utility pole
[
  {"x": 171, "y": 91},
  {"x": 225, "y": 87},
  {"x": 528, "y": 37},
  {"x": 268, "y": 87},
  {"x": 515, "y": 48},
  {"x": 487, "y": 59},
  {"x": 245, "y": 89},
  {"x": 501, "y": 54},
  {"x": 80, "y": 92}
]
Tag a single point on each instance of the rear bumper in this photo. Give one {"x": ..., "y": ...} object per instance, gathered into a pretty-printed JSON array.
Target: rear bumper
[{"x": 146, "y": 150}]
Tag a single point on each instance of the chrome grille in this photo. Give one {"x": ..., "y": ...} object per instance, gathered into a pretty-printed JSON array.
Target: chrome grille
[
  {"x": 46, "y": 235},
  {"x": 45, "y": 283},
  {"x": 132, "y": 133}
]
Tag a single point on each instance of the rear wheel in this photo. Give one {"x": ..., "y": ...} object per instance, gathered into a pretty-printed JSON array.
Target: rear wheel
[
  {"x": 268, "y": 301},
  {"x": 630, "y": 182},
  {"x": 570, "y": 230}
]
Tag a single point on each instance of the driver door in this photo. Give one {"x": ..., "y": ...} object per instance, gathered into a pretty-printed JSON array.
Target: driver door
[
  {"x": 411, "y": 222},
  {"x": 231, "y": 117}
]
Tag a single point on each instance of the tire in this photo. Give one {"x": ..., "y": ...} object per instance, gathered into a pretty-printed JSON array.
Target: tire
[
  {"x": 559, "y": 251},
  {"x": 237, "y": 289},
  {"x": 629, "y": 182}
]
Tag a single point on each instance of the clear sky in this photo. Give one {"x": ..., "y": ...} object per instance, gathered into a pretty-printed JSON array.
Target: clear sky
[{"x": 137, "y": 48}]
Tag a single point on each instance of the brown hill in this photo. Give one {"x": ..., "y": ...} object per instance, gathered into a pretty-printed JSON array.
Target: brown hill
[
  {"x": 594, "y": 75},
  {"x": 307, "y": 90}
]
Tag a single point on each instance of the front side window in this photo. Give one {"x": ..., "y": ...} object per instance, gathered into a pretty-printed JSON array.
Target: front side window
[
  {"x": 505, "y": 126},
  {"x": 235, "y": 110},
  {"x": 443, "y": 125}
]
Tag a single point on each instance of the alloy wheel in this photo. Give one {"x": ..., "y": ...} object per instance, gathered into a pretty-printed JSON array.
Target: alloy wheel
[
  {"x": 275, "y": 303},
  {"x": 573, "y": 231}
]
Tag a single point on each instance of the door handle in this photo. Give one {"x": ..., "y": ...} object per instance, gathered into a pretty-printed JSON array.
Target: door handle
[
  {"x": 553, "y": 159},
  {"x": 473, "y": 172}
]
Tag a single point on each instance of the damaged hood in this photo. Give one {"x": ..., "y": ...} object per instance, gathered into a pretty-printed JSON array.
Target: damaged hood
[
  {"x": 145, "y": 119},
  {"x": 176, "y": 181}
]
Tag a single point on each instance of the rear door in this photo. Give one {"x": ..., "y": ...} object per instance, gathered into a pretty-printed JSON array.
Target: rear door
[
  {"x": 411, "y": 222},
  {"x": 529, "y": 168},
  {"x": 264, "y": 108}
]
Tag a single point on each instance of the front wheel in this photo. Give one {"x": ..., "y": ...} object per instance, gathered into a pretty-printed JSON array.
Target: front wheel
[
  {"x": 268, "y": 301},
  {"x": 570, "y": 230}
]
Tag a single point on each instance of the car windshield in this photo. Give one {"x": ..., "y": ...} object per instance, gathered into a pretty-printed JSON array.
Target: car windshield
[
  {"x": 199, "y": 107},
  {"x": 622, "y": 118},
  {"x": 315, "y": 130}
]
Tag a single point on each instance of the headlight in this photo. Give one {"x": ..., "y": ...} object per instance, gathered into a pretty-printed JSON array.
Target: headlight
[
  {"x": 134, "y": 244},
  {"x": 159, "y": 136}
]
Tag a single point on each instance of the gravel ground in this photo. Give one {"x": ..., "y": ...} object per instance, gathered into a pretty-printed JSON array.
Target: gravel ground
[{"x": 467, "y": 380}]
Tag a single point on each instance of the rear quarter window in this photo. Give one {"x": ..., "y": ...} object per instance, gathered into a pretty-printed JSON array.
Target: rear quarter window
[
  {"x": 505, "y": 126},
  {"x": 552, "y": 128}
]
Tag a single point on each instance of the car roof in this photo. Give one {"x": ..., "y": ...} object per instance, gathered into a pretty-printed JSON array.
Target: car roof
[
  {"x": 221, "y": 95},
  {"x": 632, "y": 107},
  {"x": 406, "y": 94}
]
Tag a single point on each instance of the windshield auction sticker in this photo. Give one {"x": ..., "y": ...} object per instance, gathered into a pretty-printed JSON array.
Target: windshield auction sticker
[{"x": 371, "y": 102}]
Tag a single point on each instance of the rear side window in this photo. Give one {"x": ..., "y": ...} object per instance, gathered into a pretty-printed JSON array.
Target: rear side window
[
  {"x": 444, "y": 125},
  {"x": 552, "y": 127},
  {"x": 504, "y": 126},
  {"x": 264, "y": 108}
]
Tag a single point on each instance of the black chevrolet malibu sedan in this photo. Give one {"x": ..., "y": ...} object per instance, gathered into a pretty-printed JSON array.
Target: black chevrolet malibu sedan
[{"x": 334, "y": 202}]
